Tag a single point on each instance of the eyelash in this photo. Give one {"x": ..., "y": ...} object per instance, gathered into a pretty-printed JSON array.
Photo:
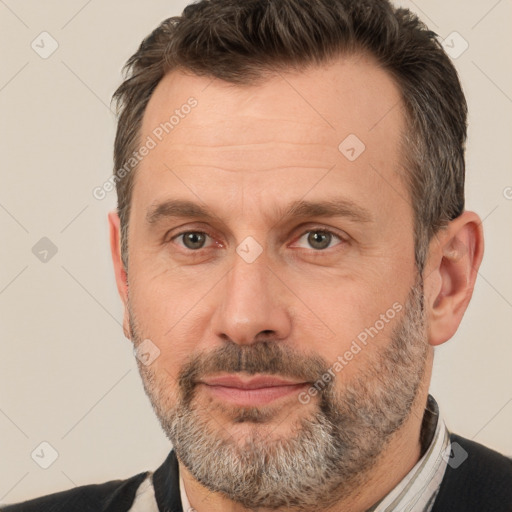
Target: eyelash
[{"x": 309, "y": 230}]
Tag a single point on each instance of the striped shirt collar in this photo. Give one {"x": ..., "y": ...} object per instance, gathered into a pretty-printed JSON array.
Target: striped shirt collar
[{"x": 418, "y": 489}]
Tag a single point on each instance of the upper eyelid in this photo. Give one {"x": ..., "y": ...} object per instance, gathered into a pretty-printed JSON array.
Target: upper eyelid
[
  {"x": 322, "y": 229},
  {"x": 177, "y": 235}
]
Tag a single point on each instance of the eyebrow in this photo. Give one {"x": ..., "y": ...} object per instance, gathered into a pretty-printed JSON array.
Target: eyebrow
[{"x": 329, "y": 208}]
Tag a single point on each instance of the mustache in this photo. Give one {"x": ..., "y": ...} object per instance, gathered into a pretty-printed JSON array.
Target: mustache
[{"x": 266, "y": 357}]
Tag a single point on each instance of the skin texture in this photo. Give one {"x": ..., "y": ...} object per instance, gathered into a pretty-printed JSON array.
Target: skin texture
[{"x": 245, "y": 154}]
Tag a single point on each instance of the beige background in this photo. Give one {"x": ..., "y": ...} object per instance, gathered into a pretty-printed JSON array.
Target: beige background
[{"x": 67, "y": 374}]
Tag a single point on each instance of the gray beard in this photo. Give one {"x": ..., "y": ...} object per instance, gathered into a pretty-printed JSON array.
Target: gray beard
[{"x": 330, "y": 452}]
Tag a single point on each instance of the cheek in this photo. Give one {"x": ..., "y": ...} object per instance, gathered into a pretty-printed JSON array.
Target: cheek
[
  {"x": 169, "y": 331},
  {"x": 164, "y": 304},
  {"x": 349, "y": 321},
  {"x": 335, "y": 306}
]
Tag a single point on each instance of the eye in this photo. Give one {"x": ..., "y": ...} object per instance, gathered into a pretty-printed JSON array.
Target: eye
[
  {"x": 192, "y": 240},
  {"x": 319, "y": 239}
]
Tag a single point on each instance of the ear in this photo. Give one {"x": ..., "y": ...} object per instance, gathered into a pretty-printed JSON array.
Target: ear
[
  {"x": 454, "y": 258},
  {"x": 119, "y": 270}
]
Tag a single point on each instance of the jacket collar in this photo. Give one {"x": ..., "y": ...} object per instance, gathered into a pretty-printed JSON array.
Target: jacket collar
[{"x": 166, "y": 482}]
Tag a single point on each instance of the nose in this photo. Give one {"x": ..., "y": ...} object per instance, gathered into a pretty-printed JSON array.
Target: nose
[{"x": 251, "y": 305}]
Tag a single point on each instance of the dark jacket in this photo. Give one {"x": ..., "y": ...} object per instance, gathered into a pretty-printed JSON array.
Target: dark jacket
[{"x": 482, "y": 483}]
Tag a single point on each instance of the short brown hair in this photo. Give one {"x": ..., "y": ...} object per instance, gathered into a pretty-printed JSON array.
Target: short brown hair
[{"x": 243, "y": 41}]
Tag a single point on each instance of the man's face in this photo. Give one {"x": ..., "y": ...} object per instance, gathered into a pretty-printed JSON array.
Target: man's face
[{"x": 301, "y": 264}]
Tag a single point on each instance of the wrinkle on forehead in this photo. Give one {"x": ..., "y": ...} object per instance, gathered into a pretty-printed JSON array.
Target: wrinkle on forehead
[
  {"x": 257, "y": 157},
  {"x": 322, "y": 105}
]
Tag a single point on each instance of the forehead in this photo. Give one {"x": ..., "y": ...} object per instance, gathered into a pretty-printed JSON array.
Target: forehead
[
  {"x": 351, "y": 93},
  {"x": 294, "y": 126}
]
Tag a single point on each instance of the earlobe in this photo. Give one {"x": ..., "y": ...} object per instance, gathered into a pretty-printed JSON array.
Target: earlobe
[{"x": 455, "y": 258}]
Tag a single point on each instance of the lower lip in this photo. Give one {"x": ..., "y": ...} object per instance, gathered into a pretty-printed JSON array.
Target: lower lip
[{"x": 253, "y": 397}]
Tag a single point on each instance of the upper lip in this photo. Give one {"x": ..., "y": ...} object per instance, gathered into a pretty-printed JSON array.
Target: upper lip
[{"x": 261, "y": 381}]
